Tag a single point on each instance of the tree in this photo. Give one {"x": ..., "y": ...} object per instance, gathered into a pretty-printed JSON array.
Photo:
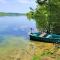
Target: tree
[{"x": 47, "y": 15}]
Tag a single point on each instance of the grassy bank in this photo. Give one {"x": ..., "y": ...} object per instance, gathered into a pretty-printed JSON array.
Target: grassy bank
[{"x": 46, "y": 51}]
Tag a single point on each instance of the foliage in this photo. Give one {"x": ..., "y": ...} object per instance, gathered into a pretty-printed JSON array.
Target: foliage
[
  {"x": 47, "y": 15},
  {"x": 30, "y": 15}
]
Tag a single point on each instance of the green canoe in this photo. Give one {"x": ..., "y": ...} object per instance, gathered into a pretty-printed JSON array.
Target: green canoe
[{"x": 50, "y": 38}]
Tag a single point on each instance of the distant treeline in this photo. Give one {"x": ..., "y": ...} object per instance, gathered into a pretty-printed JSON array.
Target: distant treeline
[{"x": 11, "y": 14}]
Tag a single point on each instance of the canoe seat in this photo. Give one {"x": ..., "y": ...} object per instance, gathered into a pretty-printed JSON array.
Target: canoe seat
[
  {"x": 49, "y": 36},
  {"x": 43, "y": 34}
]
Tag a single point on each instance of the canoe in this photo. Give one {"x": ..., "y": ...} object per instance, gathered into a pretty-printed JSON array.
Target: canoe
[{"x": 50, "y": 38}]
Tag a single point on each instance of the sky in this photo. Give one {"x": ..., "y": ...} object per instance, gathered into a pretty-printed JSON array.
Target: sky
[{"x": 19, "y": 6}]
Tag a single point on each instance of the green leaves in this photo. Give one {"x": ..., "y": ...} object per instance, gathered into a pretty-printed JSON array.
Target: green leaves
[{"x": 47, "y": 14}]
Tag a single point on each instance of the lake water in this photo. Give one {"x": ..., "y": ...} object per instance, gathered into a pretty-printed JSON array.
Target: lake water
[
  {"x": 16, "y": 26},
  {"x": 13, "y": 47}
]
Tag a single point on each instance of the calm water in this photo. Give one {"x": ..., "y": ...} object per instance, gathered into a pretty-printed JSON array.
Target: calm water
[{"x": 16, "y": 26}]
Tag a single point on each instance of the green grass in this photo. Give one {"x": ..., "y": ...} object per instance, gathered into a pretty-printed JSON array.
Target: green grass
[{"x": 35, "y": 58}]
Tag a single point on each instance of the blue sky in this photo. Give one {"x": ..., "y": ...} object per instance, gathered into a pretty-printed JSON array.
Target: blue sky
[{"x": 20, "y": 6}]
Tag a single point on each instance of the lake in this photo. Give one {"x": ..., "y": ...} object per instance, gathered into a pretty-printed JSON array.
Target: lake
[{"x": 16, "y": 26}]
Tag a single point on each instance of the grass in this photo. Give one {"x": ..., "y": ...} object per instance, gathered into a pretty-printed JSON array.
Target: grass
[{"x": 48, "y": 51}]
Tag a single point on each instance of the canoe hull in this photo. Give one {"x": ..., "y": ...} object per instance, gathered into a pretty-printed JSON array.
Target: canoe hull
[{"x": 42, "y": 39}]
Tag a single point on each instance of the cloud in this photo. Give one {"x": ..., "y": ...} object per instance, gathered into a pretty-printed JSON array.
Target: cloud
[{"x": 3, "y": 1}]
